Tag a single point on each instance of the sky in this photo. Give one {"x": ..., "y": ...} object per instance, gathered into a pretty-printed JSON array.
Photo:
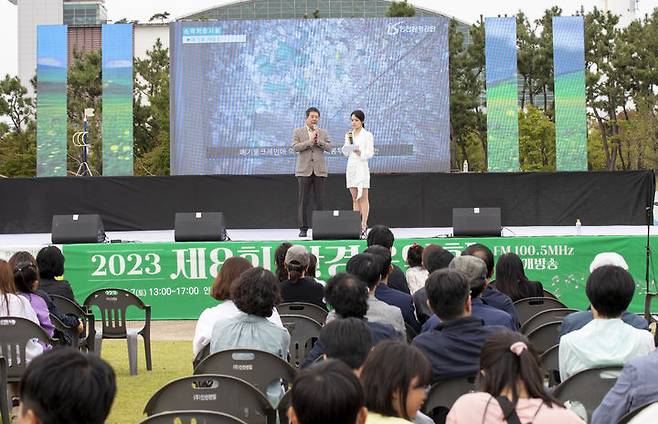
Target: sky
[{"x": 466, "y": 10}]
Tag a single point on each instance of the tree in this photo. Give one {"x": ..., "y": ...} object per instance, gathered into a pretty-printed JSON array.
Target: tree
[
  {"x": 15, "y": 104},
  {"x": 122, "y": 21},
  {"x": 536, "y": 140},
  {"x": 18, "y": 138},
  {"x": 399, "y": 9},
  {"x": 160, "y": 17},
  {"x": 85, "y": 90},
  {"x": 151, "y": 112}
]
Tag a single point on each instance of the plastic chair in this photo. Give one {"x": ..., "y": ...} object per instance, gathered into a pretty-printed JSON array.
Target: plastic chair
[
  {"x": 304, "y": 332},
  {"x": 588, "y": 387},
  {"x": 545, "y": 336},
  {"x": 15, "y": 336},
  {"x": 4, "y": 401},
  {"x": 113, "y": 304},
  {"x": 253, "y": 366},
  {"x": 203, "y": 354},
  {"x": 190, "y": 417},
  {"x": 411, "y": 333},
  {"x": 282, "y": 408},
  {"x": 645, "y": 413},
  {"x": 550, "y": 363},
  {"x": 549, "y": 294},
  {"x": 443, "y": 394},
  {"x": 63, "y": 328},
  {"x": 544, "y": 317},
  {"x": 66, "y": 306},
  {"x": 526, "y": 308},
  {"x": 212, "y": 392},
  {"x": 306, "y": 309}
]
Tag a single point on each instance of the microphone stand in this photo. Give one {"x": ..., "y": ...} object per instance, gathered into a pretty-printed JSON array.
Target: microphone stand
[{"x": 649, "y": 295}]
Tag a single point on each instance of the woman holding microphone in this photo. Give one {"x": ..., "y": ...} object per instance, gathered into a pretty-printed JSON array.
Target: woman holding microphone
[{"x": 359, "y": 147}]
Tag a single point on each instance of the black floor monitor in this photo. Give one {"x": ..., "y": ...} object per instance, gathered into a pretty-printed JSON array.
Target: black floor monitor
[
  {"x": 336, "y": 225},
  {"x": 199, "y": 226},
  {"x": 68, "y": 229},
  {"x": 476, "y": 222}
]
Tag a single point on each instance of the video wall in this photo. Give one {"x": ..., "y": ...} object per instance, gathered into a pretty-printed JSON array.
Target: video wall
[{"x": 240, "y": 88}]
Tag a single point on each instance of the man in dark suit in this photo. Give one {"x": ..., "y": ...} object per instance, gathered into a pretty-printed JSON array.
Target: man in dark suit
[{"x": 310, "y": 142}]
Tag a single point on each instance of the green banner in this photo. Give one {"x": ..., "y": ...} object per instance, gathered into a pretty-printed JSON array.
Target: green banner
[{"x": 175, "y": 278}]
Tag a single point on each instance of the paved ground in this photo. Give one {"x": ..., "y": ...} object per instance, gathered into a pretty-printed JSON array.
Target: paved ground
[{"x": 168, "y": 330}]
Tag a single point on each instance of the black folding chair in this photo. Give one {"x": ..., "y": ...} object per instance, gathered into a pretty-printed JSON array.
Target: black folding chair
[
  {"x": 67, "y": 306},
  {"x": 192, "y": 417},
  {"x": 588, "y": 387},
  {"x": 544, "y": 317},
  {"x": 545, "y": 336},
  {"x": 304, "y": 332},
  {"x": 443, "y": 395},
  {"x": 526, "y": 308},
  {"x": 306, "y": 309},
  {"x": 550, "y": 363},
  {"x": 4, "y": 400}
]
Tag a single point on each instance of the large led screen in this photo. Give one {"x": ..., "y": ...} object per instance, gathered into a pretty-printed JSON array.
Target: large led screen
[{"x": 240, "y": 88}]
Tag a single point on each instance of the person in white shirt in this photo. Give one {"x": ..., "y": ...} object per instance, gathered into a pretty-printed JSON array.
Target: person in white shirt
[
  {"x": 416, "y": 274},
  {"x": 359, "y": 148},
  {"x": 231, "y": 269},
  {"x": 606, "y": 340}
]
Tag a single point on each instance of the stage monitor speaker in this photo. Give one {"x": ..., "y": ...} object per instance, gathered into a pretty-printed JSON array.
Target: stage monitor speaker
[
  {"x": 476, "y": 222},
  {"x": 336, "y": 225},
  {"x": 67, "y": 229},
  {"x": 199, "y": 226}
]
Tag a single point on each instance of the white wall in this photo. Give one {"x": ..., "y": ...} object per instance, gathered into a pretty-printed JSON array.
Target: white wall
[
  {"x": 30, "y": 14},
  {"x": 145, "y": 36}
]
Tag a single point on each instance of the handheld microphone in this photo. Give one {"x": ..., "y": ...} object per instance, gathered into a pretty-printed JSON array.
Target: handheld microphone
[{"x": 350, "y": 136}]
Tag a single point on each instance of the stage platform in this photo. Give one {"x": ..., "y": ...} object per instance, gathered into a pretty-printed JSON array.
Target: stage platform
[{"x": 11, "y": 243}]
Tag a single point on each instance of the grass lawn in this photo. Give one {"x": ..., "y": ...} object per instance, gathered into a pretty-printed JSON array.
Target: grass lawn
[{"x": 170, "y": 360}]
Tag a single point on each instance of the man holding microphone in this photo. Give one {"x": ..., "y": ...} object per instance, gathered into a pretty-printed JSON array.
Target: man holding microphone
[{"x": 310, "y": 143}]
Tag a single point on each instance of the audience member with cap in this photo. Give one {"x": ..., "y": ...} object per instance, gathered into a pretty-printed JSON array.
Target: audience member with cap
[
  {"x": 299, "y": 287},
  {"x": 434, "y": 257},
  {"x": 475, "y": 271},
  {"x": 606, "y": 340},
  {"x": 491, "y": 296},
  {"x": 578, "y": 320},
  {"x": 511, "y": 388},
  {"x": 453, "y": 346}
]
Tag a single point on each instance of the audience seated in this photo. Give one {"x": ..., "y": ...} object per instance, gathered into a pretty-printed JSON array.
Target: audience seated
[
  {"x": 416, "y": 274},
  {"x": 491, "y": 296},
  {"x": 453, "y": 346},
  {"x": 327, "y": 393},
  {"x": 511, "y": 387},
  {"x": 67, "y": 386},
  {"x": 313, "y": 268},
  {"x": 511, "y": 279},
  {"x": 636, "y": 386},
  {"x": 381, "y": 235},
  {"x": 50, "y": 262},
  {"x": 221, "y": 291},
  {"x": 23, "y": 258},
  {"x": 279, "y": 259},
  {"x": 395, "y": 378},
  {"x": 606, "y": 340},
  {"x": 367, "y": 268},
  {"x": 434, "y": 257},
  {"x": 256, "y": 294},
  {"x": 26, "y": 280},
  {"x": 391, "y": 296},
  {"x": 13, "y": 305},
  {"x": 348, "y": 340},
  {"x": 578, "y": 320},
  {"x": 349, "y": 297},
  {"x": 475, "y": 271},
  {"x": 299, "y": 287}
]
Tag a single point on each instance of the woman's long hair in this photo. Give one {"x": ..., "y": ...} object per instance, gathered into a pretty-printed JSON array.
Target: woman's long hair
[
  {"x": 279, "y": 260},
  {"x": 507, "y": 360},
  {"x": 510, "y": 275},
  {"x": 7, "y": 285},
  {"x": 296, "y": 271}
]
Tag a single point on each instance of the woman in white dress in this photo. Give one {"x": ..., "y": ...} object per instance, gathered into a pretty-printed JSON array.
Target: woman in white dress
[{"x": 359, "y": 147}]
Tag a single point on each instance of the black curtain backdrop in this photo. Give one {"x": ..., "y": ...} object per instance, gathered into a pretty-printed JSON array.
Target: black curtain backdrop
[{"x": 409, "y": 200}]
